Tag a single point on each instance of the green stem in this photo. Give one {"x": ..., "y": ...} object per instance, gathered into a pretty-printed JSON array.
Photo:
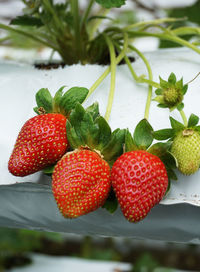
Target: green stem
[
  {"x": 87, "y": 12},
  {"x": 29, "y": 35},
  {"x": 150, "y": 89},
  {"x": 113, "y": 76},
  {"x": 57, "y": 21},
  {"x": 76, "y": 20},
  {"x": 107, "y": 71},
  {"x": 168, "y": 37},
  {"x": 153, "y": 22},
  {"x": 184, "y": 118},
  {"x": 97, "y": 22}
]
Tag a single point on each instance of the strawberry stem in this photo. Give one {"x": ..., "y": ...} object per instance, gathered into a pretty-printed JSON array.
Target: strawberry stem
[
  {"x": 113, "y": 76},
  {"x": 150, "y": 74},
  {"x": 107, "y": 71},
  {"x": 184, "y": 118}
]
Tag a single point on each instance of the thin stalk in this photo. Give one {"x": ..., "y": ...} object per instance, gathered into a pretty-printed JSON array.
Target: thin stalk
[
  {"x": 7, "y": 38},
  {"x": 153, "y": 22},
  {"x": 57, "y": 21},
  {"x": 97, "y": 22},
  {"x": 184, "y": 118},
  {"x": 76, "y": 20},
  {"x": 29, "y": 35},
  {"x": 113, "y": 77},
  {"x": 87, "y": 12},
  {"x": 161, "y": 36},
  {"x": 150, "y": 89},
  {"x": 107, "y": 71},
  {"x": 140, "y": 79}
]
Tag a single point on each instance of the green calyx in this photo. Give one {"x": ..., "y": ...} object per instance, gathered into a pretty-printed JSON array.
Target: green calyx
[
  {"x": 142, "y": 139},
  {"x": 62, "y": 102},
  {"x": 86, "y": 128},
  {"x": 171, "y": 93}
]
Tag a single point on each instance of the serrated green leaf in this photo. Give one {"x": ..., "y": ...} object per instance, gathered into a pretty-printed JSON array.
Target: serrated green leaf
[
  {"x": 74, "y": 140},
  {"x": 44, "y": 100},
  {"x": 129, "y": 142},
  {"x": 115, "y": 146},
  {"x": 184, "y": 89},
  {"x": 27, "y": 20},
  {"x": 159, "y": 149},
  {"x": 93, "y": 110},
  {"x": 89, "y": 131},
  {"x": 72, "y": 97},
  {"x": 176, "y": 125},
  {"x": 111, "y": 3},
  {"x": 193, "y": 120},
  {"x": 180, "y": 106},
  {"x": 163, "y": 83},
  {"x": 169, "y": 160},
  {"x": 168, "y": 187},
  {"x": 197, "y": 128},
  {"x": 163, "y": 134},
  {"x": 179, "y": 84},
  {"x": 142, "y": 136},
  {"x": 158, "y": 91},
  {"x": 36, "y": 110},
  {"x": 111, "y": 203},
  {"x": 57, "y": 98},
  {"x": 104, "y": 132},
  {"x": 172, "y": 79}
]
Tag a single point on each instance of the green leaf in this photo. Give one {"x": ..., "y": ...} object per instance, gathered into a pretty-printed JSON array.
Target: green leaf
[
  {"x": 169, "y": 160},
  {"x": 179, "y": 84},
  {"x": 44, "y": 100},
  {"x": 111, "y": 203},
  {"x": 159, "y": 149},
  {"x": 27, "y": 20},
  {"x": 180, "y": 107},
  {"x": 163, "y": 134},
  {"x": 158, "y": 91},
  {"x": 114, "y": 148},
  {"x": 163, "y": 106},
  {"x": 184, "y": 89},
  {"x": 72, "y": 97},
  {"x": 163, "y": 83},
  {"x": 171, "y": 175},
  {"x": 74, "y": 140},
  {"x": 111, "y": 3},
  {"x": 143, "y": 134},
  {"x": 172, "y": 79},
  {"x": 169, "y": 186},
  {"x": 193, "y": 120},
  {"x": 129, "y": 142},
  {"x": 93, "y": 110},
  {"x": 176, "y": 125},
  {"x": 57, "y": 98},
  {"x": 104, "y": 132},
  {"x": 89, "y": 131}
]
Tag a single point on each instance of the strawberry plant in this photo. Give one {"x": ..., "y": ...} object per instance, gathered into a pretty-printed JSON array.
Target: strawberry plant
[{"x": 91, "y": 165}]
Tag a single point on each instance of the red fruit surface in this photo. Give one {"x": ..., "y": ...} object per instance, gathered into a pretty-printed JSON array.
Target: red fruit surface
[
  {"x": 80, "y": 183},
  {"x": 41, "y": 142},
  {"x": 140, "y": 181}
]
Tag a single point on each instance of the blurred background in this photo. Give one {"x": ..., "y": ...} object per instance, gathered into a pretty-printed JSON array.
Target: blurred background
[{"x": 26, "y": 250}]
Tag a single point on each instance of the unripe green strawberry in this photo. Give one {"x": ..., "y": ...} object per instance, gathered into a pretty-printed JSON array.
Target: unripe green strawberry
[
  {"x": 186, "y": 149},
  {"x": 80, "y": 183},
  {"x": 140, "y": 181}
]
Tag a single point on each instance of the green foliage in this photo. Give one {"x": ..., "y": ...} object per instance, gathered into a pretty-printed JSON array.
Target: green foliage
[{"x": 111, "y": 3}]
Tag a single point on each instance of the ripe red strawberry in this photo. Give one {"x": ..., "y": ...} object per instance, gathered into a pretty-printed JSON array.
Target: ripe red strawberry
[
  {"x": 80, "y": 182},
  {"x": 41, "y": 142},
  {"x": 140, "y": 181}
]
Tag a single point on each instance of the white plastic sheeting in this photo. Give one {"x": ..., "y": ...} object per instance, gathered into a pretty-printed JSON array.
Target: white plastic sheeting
[{"x": 31, "y": 205}]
